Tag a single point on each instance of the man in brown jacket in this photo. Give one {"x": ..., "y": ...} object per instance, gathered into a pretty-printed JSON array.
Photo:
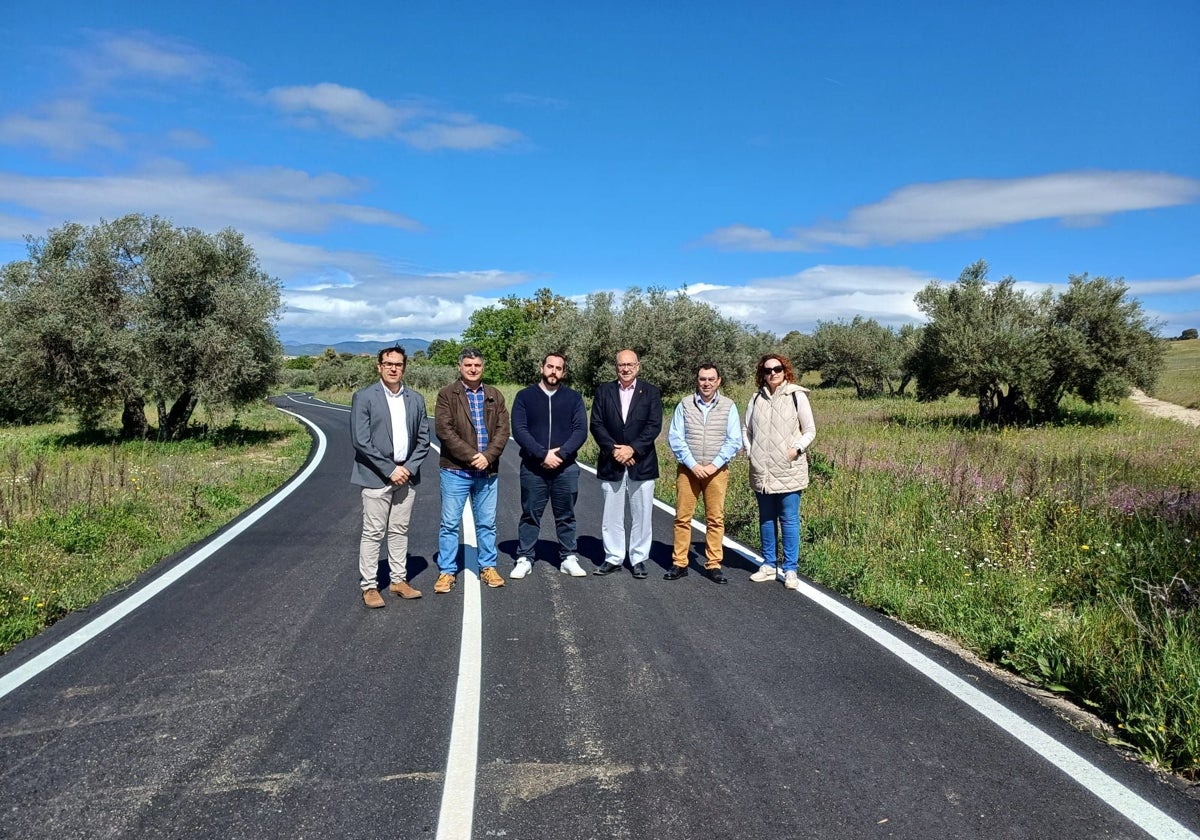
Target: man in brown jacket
[{"x": 472, "y": 424}]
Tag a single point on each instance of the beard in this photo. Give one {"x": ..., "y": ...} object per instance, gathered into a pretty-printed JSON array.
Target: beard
[{"x": 550, "y": 381}]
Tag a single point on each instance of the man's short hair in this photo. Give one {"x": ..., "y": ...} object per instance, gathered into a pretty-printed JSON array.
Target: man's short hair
[
  {"x": 548, "y": 356},
  {"x": 469, "y": 353},
  {"x": 708, "y": 366},
  {"x": 393, "y": 349}
]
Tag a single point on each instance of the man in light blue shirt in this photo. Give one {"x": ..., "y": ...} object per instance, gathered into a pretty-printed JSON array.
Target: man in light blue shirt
[{"x": 705, "y": 434}]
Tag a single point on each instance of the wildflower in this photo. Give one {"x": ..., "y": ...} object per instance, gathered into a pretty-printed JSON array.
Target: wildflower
[
  {"x": 24, "y": 597},
  {"x": 40, "y": 604},
  {"x": 1084, "y": 547}
]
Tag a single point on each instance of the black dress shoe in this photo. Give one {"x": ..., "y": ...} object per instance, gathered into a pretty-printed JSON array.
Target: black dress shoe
[
  {"x": 608, "y": 569},
  {"x": 717, "y": 576},
  {"x": 676, "y": 573},
  {"x": 639, "y": 570}
]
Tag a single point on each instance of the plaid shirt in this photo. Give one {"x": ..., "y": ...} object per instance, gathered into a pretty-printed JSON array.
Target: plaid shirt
[{"x": 475, "y": 404}]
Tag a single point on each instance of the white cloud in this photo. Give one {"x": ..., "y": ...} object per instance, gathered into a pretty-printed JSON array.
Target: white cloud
[
  {"x": 65, "y": 126},
  {"x": 250, "y": 200},
  {"x": 360, "y": 115},
  {"x": 461, "y": 133},
  {"x": 928, "y": 212},
  {"x": 145, "y": 56},
  {"x": 346, "y": 109},
  {"x": 820, "y": 293},
  {"x": 1175, "y": 286},
  {"x": 426, "y": 306}
]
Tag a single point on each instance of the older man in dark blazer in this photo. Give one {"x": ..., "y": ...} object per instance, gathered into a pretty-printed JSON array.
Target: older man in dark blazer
[
  {"x": 627, "y": 417},
  {"x": 390, "y": 432}
]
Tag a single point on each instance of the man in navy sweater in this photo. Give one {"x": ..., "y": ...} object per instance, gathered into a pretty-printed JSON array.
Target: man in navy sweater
[{"x": 549, "y": 422}]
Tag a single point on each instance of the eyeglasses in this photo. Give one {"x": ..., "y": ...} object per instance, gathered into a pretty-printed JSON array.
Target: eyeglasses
[
  {"x": 771, "y": 371},
  {"x": 627, "y": 364},
  {"x": 396, "y": 365}
]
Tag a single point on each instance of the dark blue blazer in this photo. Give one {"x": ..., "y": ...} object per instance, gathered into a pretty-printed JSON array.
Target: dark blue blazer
[{"x": 639, "y": 430}]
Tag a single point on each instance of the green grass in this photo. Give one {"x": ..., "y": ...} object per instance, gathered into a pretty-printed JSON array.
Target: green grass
[
  {"x": 1180, "y": 381},
  {"x": 82, "y": 515}
]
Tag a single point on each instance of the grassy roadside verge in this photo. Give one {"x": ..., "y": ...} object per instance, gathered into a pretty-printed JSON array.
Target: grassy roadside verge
[
  {"x": 81, "y": 516},
  {"x": 1180, "y": 381}
]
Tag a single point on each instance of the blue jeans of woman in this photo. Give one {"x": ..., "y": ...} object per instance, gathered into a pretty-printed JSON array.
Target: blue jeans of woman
[{"x": 782, "y": 510}]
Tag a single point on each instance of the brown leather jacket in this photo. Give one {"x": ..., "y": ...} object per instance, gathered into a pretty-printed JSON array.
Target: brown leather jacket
[{"x": 452, "y": 421}]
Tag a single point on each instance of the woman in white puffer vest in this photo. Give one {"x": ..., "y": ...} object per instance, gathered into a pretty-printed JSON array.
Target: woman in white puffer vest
[{"x": 778, "y": 429}]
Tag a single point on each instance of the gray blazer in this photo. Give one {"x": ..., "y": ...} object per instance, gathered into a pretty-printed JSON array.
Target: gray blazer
[{"x": 371, "y": 433}]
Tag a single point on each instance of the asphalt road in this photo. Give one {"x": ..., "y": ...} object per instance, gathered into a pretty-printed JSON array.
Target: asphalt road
[{"x": 249, "y": 694}]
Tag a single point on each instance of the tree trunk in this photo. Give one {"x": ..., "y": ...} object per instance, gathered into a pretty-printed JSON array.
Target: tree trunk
[
  {"x": 174, "y": 424},
  {"x": 133, "y": 418}
]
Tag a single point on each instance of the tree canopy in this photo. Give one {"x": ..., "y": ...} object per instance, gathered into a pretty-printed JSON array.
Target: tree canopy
[
  {"x": 672, "y": 333},
  {"x": 137, "y": 312},
  {"x": 862, "y": 352},
  {"x": 1019, "y": 356}
]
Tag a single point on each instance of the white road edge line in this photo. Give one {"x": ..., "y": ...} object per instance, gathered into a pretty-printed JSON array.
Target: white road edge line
[
  {"x": 1117, "y": 796},
  {"x": 56, "y": 652}
]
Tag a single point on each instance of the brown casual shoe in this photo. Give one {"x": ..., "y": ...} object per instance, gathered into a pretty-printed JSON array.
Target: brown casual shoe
[
  {"x": 373, "y": 599},
  {"x": 491, "y": 577},
  {"x": 405, "y": 591},
  {"x": 444, "y": 584}
]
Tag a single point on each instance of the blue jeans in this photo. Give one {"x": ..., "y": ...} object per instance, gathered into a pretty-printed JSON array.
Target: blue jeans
[
  {"x": 561, "y": 489},
  {"x": 455, "y": 490},
  {"x": 784, "y": 508}
]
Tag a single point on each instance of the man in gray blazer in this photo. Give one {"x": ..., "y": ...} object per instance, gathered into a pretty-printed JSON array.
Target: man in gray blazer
[{"x": 390, "y": 432}]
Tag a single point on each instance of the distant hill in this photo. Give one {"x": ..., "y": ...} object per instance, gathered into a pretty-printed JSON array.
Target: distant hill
[{"x": 412, "y": 345}]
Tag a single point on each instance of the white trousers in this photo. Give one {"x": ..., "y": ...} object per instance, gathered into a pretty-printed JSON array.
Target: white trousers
[
  {"x": 641, "y": 508},
  {"x": 386, "y": 512}
]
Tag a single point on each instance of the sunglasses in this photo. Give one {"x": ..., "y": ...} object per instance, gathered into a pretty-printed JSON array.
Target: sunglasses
[{"x": 772, "y": 370}]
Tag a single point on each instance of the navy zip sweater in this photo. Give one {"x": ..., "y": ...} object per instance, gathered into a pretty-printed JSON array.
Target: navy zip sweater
[{"x": 541, "y": 422}]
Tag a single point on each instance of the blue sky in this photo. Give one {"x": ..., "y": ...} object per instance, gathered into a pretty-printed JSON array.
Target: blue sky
[{"x": 398, "y": 165}]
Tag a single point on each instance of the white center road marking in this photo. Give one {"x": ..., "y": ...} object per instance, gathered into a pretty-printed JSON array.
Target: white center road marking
[
  {"x": 457, "y": 814},
  {"x": 458, "y": 794}
]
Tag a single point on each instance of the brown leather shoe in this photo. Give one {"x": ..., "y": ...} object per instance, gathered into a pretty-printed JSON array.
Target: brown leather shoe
[
  {"x": 373, "y": 599},
  {"x": 443, "y": 584},
  {"x": 405, "y": 591}
]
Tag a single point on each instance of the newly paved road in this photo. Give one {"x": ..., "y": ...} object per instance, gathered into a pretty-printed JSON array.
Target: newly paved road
[{"x": 255, "y": 697}]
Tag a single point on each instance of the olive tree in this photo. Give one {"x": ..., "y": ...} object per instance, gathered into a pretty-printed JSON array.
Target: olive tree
[
  {"x": 672, "y": 334},
  {"x": 1019, "y": 355},
  {"x": 135, "y": 313},
  {"x": 863, "y": 352}
]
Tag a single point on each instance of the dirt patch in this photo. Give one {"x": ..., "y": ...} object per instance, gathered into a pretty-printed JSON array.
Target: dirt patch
[{"x": 1160, "y": 408}]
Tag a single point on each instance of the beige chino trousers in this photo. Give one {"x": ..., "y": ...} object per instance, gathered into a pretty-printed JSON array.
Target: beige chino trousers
[{"x": 386, "y": 511}]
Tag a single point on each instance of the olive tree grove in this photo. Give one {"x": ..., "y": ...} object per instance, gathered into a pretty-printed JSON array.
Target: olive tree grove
[{"x": 131, "y": 314}]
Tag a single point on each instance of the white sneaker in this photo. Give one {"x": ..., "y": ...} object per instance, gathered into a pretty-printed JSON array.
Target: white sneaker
[
  {"x": 764, "y": 573},
  {"x": 791, "y": 580},
  {"x": 570, "y": 566},
  {"x": 522, "y": 568}
]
